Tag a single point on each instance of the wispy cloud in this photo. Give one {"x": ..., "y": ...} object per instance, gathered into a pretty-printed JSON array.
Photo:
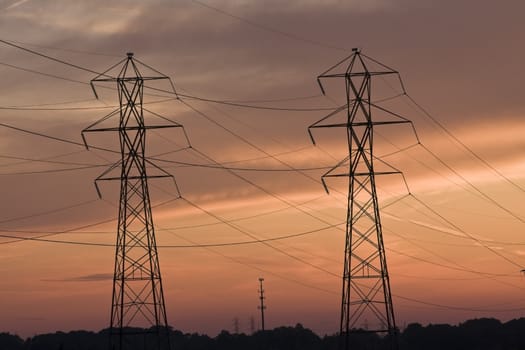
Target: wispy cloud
[
  {"x": 16, "y": 4},
  {"x": 86, "y": 278},
  {"x": 64, "y": 15}
]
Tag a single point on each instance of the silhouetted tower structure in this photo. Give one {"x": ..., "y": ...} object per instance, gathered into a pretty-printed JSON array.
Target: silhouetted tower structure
[
  {"x": 236, "y": 324},
  {"x": 261, "y": 307},
  {"x": 366, "y": 292},
  {"x": 138, "y": 311}
]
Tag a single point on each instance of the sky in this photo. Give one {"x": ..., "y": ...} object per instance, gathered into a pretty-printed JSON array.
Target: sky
[{"x": 454, "y": 246}]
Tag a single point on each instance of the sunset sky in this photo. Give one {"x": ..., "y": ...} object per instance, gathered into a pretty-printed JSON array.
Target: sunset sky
[{"x": 455, "y": 246}]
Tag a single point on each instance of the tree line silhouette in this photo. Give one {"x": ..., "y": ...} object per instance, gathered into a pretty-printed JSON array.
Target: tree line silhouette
[{"x": 479, "y": 334}]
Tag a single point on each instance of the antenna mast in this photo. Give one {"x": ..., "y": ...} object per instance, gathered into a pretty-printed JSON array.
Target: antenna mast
[{"x": 261, "y": 307}]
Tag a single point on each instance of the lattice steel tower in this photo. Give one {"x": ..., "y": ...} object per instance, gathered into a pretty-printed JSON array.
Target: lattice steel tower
[
  {"x": 138, "y": 311},
  {"x": 366, "y": 296}
]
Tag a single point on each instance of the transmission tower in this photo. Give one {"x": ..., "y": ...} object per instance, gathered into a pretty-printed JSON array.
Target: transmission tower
[
  {"x": 236, "y": 325},
  {"x": 252, "y": 325},
  {"x": 261, "y": 307},
  {"x": 138, "y": 311},
  {"x": 366, "y": 296}
]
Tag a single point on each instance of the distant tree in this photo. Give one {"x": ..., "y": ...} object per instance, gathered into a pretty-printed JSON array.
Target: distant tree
[
  {"x": 413, "y": 337},
  {"x": 193, "y": 341},
  {"x": 75, "y": 340},
  {"x": 514, "y": 335},
  {"x": 286, "y": 338},
  {"x": 11, "y": 342},
  {"x": 477, "y": 334},
  {"x": 483, "y": 333}
]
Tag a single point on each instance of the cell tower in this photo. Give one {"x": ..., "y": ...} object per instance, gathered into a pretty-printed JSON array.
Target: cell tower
[
  {"x": 261, "y": 307},
  {"x": 366, "y": 292},
  {"x": 138, "y": 311}
]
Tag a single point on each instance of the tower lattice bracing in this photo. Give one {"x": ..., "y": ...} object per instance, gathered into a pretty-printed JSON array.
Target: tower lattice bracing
[
  {"x": 138, "y": 311},
  {"x": 366, "y": 304}
]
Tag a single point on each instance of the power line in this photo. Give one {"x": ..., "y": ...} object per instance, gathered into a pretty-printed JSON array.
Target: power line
[
  {"x": 76, "y": 143},
  {"x": 69, "y": 79},
  {"x": 255, "y": 267},
  {"x": 459, "y": 308},
  {"x": 26, "y": 159},
  {"x": 236, "y": 260},
  {"x": 258, "y": 268},
  {"x": 235, "y": 169},
  {"x": 462, "y": 269},
  {"x": 245, "y": 105},
  {"x": 270, "y": 272},
  {"x": 245, "y": 232},
  {"x": 39, "y": 107},
  {"x": 480, "y": 273},
  {"x": 458, "y": 266},
  {"x": 82, "y": 52},
  {"x": 469, "y": 150},
  {"x": 255, "y": 185},
  {"x": 242, "y": 218},
  {"x": 47, "y": 212},
  {"x": 416, "y": 258},
  {"x": 262, "y": 189},
  {"x": 248, "y": 159},
  {"x": 44, "y": 236},
  {"x": 55, "y": 138},
  {"x": 47, "y": 240},
  {"x": 15, "y": 108},
  {"x": 455, "y": 263},
  {"x": 466, "y": 233},
  {"x": 243, "y": 139},
  {"x": 462, "y": 144},
  {"x": 78, "y": 228},
  {"x": 196, "y": 245},
  {"x": 267, "y": 28},
  {"x": 285, "y": 99},
  {"x": 236, "y": 103},
  {"x": 223, "y": 167},
  {"x": 277, "y": 197},
  {"x": 469, "y": 186},
  {"x": 481, "y": 193},
  {"x": 35, "y": 133},
  {"x": 42, "y": 73},
  {"x": 48, "y": 57},
  {"x": 447, "y": 232},
  {"x": 52, "y": 171},
  {"x": 477, "y": 191}
]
